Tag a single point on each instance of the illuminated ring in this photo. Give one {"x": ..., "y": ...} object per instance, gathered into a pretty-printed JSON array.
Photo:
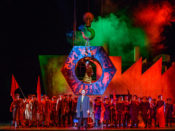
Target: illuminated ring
[{"x": 98, "y": 53}]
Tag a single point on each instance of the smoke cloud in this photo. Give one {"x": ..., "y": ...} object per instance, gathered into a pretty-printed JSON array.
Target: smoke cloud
[
  {"x": 153, "y": 18},
  {"x": 118, "y": 33},
  {"x": 143, "y": 27}
]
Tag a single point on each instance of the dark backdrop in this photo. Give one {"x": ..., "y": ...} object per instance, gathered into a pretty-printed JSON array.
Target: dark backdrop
[{"x": 29, "y": 28}]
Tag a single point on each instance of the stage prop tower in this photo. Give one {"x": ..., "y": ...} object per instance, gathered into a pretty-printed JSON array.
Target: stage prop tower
[{"x": 88, "y": 53}]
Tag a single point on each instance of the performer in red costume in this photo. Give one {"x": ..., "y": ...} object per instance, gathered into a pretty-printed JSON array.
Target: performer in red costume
[
  {"x": 40, "y": 112},
  {"x": 134, "y": 110},
  {"x": 119, "y": 111},
  {"x": 106, "y": 111},
  {"x": 47, "y": 111},
  {"x": 126, "y": 112},
  {"x": 169, "y": 112},
  {"x": 54, "y": 111},
  {"x": 15, "y": 109},
  {"x": 160, "y": 117},
  {"x": 34, "y": 110}
]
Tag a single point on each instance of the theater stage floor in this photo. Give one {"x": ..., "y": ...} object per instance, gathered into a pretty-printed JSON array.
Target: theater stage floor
[{"x": 8, "y": 127}]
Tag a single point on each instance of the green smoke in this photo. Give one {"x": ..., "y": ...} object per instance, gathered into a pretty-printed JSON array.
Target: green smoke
[{"x": 118, "y": 33}]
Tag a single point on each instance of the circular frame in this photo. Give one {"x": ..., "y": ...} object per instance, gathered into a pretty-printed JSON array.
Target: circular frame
[
  {"x": 92, "y": 61},
  {"x": 96, "y": 52}
]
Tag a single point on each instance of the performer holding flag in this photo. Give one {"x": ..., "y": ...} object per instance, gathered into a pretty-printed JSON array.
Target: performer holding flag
[
  {"x": 14, "y": 86},
  {"x": 15, "y": 105}
]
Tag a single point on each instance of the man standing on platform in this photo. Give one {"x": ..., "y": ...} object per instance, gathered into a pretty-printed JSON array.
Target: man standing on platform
[{"x": 83, "y": 109}]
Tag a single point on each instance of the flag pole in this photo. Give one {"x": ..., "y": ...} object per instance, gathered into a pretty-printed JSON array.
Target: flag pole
[{"x": 22, "y": 92}]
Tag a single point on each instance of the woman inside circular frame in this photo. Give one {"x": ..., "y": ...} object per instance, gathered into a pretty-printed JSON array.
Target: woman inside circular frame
[
  {"x": 88, "y": 74},
  {"x": 88, "y": 70}
]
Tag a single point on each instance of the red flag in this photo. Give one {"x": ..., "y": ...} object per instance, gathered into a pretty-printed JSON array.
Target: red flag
[
  {"x": 38, "y": 90},
  {"x": 14, "y": 86}
]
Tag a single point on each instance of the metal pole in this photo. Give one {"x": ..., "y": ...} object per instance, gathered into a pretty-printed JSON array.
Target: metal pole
[{"x": 22, "y": 92}]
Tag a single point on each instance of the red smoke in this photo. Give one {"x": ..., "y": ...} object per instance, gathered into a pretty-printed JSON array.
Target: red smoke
[{"x": 153, "y": 18}]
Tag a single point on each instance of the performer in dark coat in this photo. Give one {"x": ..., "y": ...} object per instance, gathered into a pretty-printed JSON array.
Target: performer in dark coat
[
  {"x": 126, "y": 112},
  {"x": 154, "y": 103},
  {"x": 151, "y": 112},
  {"x": 83, "y": 108},
  {"x": 120, "y": 111},
  {"x": 97, "y": 111},
  {"x": 113, "y": 102},
  {"x": 107, "y": 111},
  {"x": 169, "y": 112},
  {"x": 145, "y": 109},
  {"x": 134, "y": 108}
]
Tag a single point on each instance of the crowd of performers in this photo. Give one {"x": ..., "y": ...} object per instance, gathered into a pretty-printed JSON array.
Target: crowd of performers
[
  {"x": 60, "y": 111},
  {"x": 29, "y": 112},
  {"x": 136, "y": 112}
]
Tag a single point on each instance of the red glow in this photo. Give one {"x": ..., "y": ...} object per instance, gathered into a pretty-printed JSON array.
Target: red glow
[
  {"x": 153, "y": 18},
  {"x": 151, "y": 81},
  {"x": 168, "y": 81}
]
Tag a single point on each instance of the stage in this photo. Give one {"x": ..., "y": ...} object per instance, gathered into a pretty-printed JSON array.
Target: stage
[
  {"x": 8, "y": 127},
  {"x": 103, "y": 62}
]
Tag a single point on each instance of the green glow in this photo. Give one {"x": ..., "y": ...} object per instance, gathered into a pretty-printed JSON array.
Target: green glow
[
  {"x": 54, "y": 82},
  {"x": 119, "y": 34}
]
